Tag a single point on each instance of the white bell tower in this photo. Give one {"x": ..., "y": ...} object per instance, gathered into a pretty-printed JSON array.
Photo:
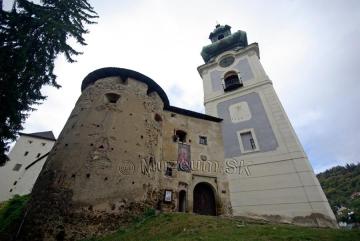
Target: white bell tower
[{"x": 268, "y": 171}]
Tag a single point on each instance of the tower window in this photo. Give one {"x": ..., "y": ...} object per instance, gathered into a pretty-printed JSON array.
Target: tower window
[
  {"x": 232, "y": 81},
  {"x": 248, "y": 142},
  {"x": 158, "y": 117},
  {"x": 168, "y": 172},
  {"x": 180, "y": 136},
  {"x": 17, "y": 167},
  {"x": 38, "y": 155},
  {"x": 112, "y": 98},
  {"x": 252, "y": 144},
  {"x": 26, "y": 153},
  {"x": 203, "y": 140}
]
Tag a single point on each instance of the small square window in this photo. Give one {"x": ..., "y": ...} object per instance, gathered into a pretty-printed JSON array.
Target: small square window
[
  {"x": 38, "y": 155},
  {"x": 17, "y": 167},
  {"x": 29, "y": 141},
  {"x": 179, "y": 136},
  {"x": 112, "y": 98},
  {"x": 26, "y": 153},
  {"x": 203, "y": 140},
  {"x": 168, "y": 172},
  {"x": 43, "y": 144}
]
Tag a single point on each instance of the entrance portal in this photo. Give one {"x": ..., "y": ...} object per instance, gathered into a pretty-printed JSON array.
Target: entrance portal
[
  {"x": 204, "y": 200},
  {"x": 182, "y": 201}
]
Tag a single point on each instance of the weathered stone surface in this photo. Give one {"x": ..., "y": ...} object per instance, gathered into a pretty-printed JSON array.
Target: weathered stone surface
[{"x": 95, "y": 180}]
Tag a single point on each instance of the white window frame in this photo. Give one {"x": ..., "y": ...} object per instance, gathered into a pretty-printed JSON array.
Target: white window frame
[{"x": 251, "y": 130}]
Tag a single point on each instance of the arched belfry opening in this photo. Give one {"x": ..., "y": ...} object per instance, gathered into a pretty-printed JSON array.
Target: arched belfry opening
[
  {"x": 182, "y": 201},
  {"x": 232, "y": 81},
  {"x": 204, "y": 199}
]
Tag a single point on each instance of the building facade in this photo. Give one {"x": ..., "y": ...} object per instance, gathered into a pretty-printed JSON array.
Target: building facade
[
  {"x": 124, "y": 149},
  {"x": 280, "y": 183},
  {"x": 27, "y": 157}
]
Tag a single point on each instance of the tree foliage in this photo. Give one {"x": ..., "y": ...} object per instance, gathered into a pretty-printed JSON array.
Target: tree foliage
[
  {"x": 31, "y": 36},
  {"x": 340, "y": 185}
]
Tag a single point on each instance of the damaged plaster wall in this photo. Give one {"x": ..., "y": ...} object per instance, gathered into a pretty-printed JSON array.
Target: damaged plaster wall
[
  {"x": 109, "y": 162},
  {"x": 92, "y": 180},
  {"x": 207, "y": 160}
]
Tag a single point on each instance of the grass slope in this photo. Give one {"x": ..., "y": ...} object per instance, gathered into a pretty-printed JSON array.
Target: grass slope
[{"x": 177, "y": 226}]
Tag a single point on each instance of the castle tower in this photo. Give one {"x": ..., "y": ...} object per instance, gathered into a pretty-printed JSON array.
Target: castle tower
[
  {"x": 269, "y": 173},
  {"x": 92, "y": 180}
]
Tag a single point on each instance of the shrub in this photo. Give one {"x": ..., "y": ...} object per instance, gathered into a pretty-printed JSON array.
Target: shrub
[{"x": 11, "y": 212}]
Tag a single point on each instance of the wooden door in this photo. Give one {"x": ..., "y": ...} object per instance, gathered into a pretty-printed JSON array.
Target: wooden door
[{"x": 204, "y": 200}]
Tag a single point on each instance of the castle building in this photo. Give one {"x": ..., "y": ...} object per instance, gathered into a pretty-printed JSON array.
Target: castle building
[
  {"x": 124, "y": 148},
  {"x": 27, "y": 158}
]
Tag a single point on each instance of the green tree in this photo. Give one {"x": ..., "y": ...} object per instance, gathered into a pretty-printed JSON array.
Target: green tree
[
  {"x": 339, "y": 184},
  {"x": 31, "y": 37}
]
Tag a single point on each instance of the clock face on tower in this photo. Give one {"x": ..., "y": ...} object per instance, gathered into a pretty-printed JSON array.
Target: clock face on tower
[
  {"x": 239, "y": 112},
  {"x": 227, "y": 61}
]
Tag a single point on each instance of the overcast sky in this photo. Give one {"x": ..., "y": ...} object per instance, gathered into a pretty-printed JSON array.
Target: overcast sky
[{"x": 309, "y": 49}]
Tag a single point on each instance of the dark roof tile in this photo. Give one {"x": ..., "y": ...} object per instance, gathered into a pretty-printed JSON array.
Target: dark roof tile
[{"x": 48, "y": 135}]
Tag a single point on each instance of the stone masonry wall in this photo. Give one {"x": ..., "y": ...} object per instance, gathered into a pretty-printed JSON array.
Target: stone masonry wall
[{"x": 92, "y": 181}]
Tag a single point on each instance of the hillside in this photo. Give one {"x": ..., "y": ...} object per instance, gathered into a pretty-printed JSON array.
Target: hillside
[
  {"x": 341, "y": 185},
  {"x": 178, "y": 226}
]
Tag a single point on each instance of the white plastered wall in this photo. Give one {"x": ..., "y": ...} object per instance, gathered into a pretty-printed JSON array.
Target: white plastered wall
[
  {"x": 282, "y": 181},
  {"x": 20, "y": 182}
]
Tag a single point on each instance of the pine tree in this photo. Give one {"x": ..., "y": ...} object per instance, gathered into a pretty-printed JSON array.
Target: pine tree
[{"x": 31, "y": 37}]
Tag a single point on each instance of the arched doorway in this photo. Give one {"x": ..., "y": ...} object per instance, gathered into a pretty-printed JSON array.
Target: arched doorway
[
  {"x": 204, "y": 200},
  {"x": 182, "y": 201}
]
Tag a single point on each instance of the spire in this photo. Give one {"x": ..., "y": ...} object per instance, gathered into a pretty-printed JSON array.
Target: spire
[
  {"x": 223, "y": 40},
  {"x": 220, "y": 32}
]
